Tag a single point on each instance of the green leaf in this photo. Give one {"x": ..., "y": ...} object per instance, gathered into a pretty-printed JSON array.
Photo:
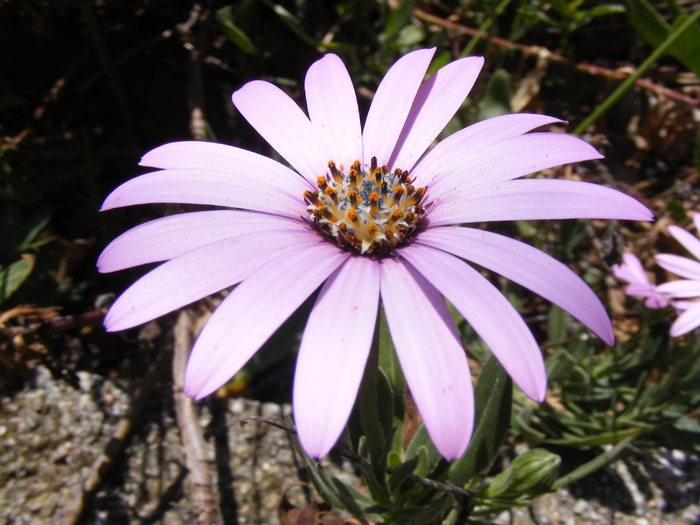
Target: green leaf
[
  {"x": 378, "y": 441},
  {"x": 388, "y": 360},
  {"x": 606, "y": 9},
  {"x": 602, "y": 438},
  {"x": 401, "y": 473},
  {"x": 530, "y": 474},
  {"x": 498, "y": 485},
  {"x": 497, "y": 99},
  {"x": 435, "y": 510},
  {"x": 425, "y": 463},
  {"x": 320, "y": 479},
  {"x": 493, "y": 399},
  {"x": 686, "y": 424},
  {"x": 556, "y": 324},
  {"x": 334, "y": 492},
  {"x": 397, "y": 19},
  {"x": 294, "y": 25},
  {"x": 421, "y": 446},
  {"x": 14, "y": 275},
  {"x": 654, "y": 30},
  {"x": 19, "y": 231},
  {"x": 385, "y": 402},
  {"x": 353, "y": 500},
  {"x": 687, "y": 49},
  {"x": 593, "y": 465},
  {"x": 410, "y": 36},
  {"x": 646, "y": 22},
  {"x": 224, "y": 17}
]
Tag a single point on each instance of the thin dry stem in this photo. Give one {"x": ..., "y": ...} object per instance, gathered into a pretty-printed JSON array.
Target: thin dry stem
[{"x": 202, "y": 492}]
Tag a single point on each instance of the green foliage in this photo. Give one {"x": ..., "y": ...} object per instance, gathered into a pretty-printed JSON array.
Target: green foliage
[
  {"x": 566, "y": 16},
  {"x": 647, "y": 22},
  {"x": 496, "y": 102},
  {"x": 608, "y": 397},
  {"x": 14, "y": 275},
  {"x": 530, "y": 475},
  {"x": 18, "y": 239},
  {"x": 493, "y": 399},
  {"x": 397, "y": 24},
  {"x": 227, "y": 18}
]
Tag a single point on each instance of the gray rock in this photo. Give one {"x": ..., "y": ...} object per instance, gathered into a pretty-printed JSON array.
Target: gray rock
[{"x": 51, "y": 433}]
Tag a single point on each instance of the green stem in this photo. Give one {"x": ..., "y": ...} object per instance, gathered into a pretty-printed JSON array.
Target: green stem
[
  {"x": 369, "y": 415},
  {"x": 594, "y": 464},
  {"x": 629, "y": 81},
  {"x": 483, "y": 28}
]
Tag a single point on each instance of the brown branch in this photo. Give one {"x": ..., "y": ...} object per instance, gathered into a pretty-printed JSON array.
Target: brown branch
[
  {"x": 202, "y": 496},
  {"x": 553, "y": 57},
  {"x": 11, "y": 143},
  {"x": 125, "y": 425},
  {"x": 47, "y": 317}
]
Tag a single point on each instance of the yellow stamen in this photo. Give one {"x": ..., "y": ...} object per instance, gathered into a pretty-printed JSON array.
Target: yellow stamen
[{"x": 370, "y": 211}]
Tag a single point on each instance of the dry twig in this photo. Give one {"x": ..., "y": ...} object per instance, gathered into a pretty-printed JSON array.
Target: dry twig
[
  {"x": 104, "y": 462},
  {"x": 202, "y": 496},
  {"x": 539, "y": 51}
]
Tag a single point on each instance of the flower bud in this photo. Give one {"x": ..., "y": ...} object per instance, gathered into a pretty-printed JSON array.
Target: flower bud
[
  {"x": 535, "y": 471},
  {"x": 530, "y": 474}
]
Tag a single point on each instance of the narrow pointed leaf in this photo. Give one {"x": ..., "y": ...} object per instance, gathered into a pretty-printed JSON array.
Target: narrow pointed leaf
[{"x": 493, "y": 398}]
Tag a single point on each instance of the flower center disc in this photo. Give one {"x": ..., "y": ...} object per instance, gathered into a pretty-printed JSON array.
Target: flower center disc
[{"x": 370, "y": 212}]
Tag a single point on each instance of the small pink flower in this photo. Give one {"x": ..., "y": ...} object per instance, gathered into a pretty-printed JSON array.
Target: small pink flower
[
  {"x": 683, "y": 291},
  {"x": 364, "y": 213},
  {"x": 632, "y": 271}
]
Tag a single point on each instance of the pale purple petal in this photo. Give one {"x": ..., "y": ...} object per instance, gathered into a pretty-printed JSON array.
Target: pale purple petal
[
  {"x": 506, "y": 160},
  {"x": 687, "y": 321},
  {"x": 680, "y": 289},
  {"x": 199, "y": 155},
  {"x": 681, "y": 305},
  {"x": 333, "y": 110},
  {"x": 449, "y": 155},
  {"x": 679, "y": 265},
  {"x": 488, "y": 312},
  {"x": 431, "y": 356},
  {"x": 284, "y": 126},
  {"x": 391, "y": 105},
  {"x": 653, "y": 300},
  {"x": 169, "y": 237},
  {"x": 534, "y": 199},
  {"x": 334, "y": 352},
  {"x": 631, "y": 270},
  {"x": 201, "y": 272},
  {"x": 689, "y": 241},
  {"x": 528, "y": 267},
  {"x": 190, "y": 186},
  {"x": 437, "y": 101},
  {"x": 253, "y": 311},
  {"x": 696, "y": 221}
]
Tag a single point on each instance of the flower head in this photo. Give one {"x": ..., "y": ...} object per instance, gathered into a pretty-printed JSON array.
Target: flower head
[
  {"x": 366, "y": 214},
  {"x": 632, "y": 271},
  {"x": 684, "y": 292}
]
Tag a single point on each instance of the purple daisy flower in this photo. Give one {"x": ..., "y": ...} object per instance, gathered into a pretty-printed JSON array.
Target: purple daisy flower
[
  {"x": 639, "y": 285},
  {"x": 685, "y": 291},
  {"x": 368, "y": 214}
]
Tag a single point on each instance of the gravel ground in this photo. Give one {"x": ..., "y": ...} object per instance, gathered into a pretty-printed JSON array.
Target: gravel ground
[{"x": 51, "y": 433}]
